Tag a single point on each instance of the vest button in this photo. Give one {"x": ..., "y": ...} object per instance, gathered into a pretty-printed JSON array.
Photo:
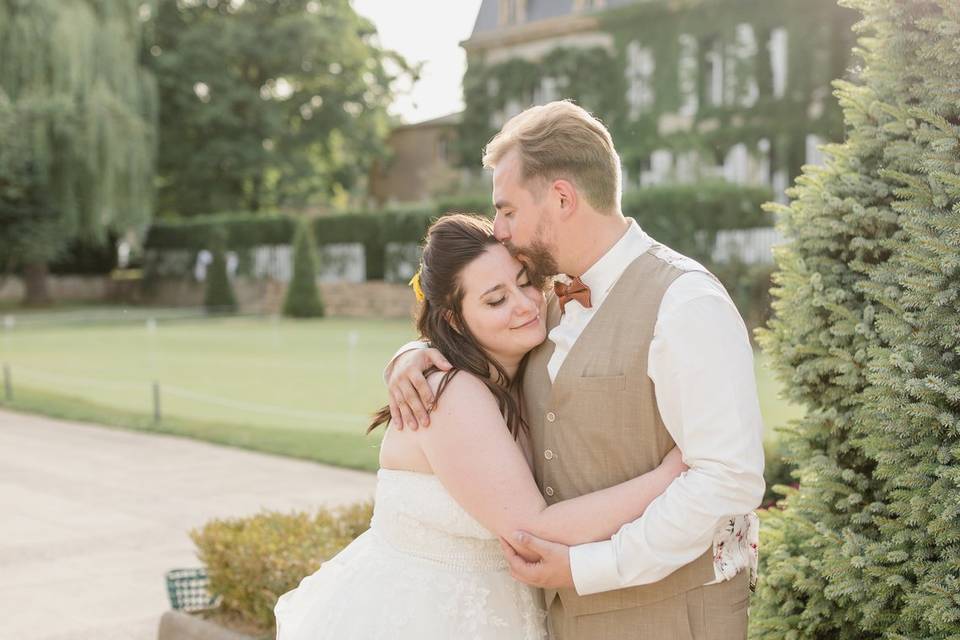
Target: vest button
[
  {"x": 548, "y": 454},
  {"x": 551, "y": 416},
  {"x": 548, "y": 491}
]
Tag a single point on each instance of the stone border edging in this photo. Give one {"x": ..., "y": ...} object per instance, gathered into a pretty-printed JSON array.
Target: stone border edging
[{"x": 176, "y": 625}]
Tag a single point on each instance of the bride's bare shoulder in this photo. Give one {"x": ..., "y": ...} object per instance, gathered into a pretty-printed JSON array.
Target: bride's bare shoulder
[{"x": 462, "y": 391}]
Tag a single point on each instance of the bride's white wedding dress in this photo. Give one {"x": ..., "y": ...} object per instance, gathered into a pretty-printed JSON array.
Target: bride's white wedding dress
[{"x": 425, "y": 570}]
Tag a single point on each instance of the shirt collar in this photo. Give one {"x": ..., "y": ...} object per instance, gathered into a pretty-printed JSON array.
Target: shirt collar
[{"x": 604, "y": 273}]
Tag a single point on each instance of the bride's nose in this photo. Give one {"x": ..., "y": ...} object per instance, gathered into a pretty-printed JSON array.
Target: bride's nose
[{"x": 525, "y": 307}]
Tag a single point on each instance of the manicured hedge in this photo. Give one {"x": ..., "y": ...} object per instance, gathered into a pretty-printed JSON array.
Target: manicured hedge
[{"x": 685, "y": 217}]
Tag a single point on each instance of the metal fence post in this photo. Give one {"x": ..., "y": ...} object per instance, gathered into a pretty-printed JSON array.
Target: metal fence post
[{"x": 156, "y": 402}]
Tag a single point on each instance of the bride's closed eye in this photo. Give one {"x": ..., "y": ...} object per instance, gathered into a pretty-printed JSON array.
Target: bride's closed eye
[{"x": 497, "y": 303}]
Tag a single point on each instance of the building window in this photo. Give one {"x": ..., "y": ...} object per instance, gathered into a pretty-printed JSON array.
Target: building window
[
  {"x": 512, "y": 12},
  {"x": 547, "y": 91},
  {"x": 736, "y": 164},
  {"x": 763, "y": 152},
  {"x": 778, "y": 61},
  {"x": 687, "y": 167},
  {"x": 639, "y": 71},
  {"x": 687, "y": 71},
  {"x": 743, "y": 84},
  {"x": 814, "y": 154},
  {"x": 511, "y": 108},
  {"x": 660, "y": 168},
  {"x": 712, "y": 71}
]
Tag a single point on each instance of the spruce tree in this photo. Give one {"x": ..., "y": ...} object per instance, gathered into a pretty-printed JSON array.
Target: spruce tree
[
  {"x": 910, "y": 419},
  {"x": 303, "y": 298},
  {"x": 865, "y": 334},
  {"x": 219, "y": 296}
]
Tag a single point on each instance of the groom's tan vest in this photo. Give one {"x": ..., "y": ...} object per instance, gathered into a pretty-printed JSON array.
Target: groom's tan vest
[{"x": 598, "y": 424}]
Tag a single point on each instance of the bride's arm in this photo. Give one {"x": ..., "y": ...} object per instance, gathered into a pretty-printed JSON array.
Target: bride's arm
[{"x": 478, "y": 462}]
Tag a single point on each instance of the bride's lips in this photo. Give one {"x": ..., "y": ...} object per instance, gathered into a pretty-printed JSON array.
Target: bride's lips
[{"x": 531, "y": 322}]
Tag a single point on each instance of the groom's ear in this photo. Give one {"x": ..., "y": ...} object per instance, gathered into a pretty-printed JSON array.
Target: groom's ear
[{"x": 566, "y": 195}]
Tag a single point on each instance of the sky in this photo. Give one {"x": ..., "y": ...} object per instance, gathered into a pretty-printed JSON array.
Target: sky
[{"x": 427, "y": 31}]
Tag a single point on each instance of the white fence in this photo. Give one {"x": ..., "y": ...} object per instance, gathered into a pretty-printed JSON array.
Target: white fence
[
  {"x": 346, "y": 262},
  {"x": 751, "y": 246}
]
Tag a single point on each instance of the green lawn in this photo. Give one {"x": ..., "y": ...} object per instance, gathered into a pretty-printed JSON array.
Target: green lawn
[{"x": 301, "y": 388}]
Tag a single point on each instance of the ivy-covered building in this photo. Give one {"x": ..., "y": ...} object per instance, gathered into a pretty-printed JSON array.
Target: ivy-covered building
[{"x": 690, "y": 89}]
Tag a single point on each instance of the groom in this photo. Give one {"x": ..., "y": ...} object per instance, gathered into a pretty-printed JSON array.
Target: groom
[{"x": 645, "y": 349}]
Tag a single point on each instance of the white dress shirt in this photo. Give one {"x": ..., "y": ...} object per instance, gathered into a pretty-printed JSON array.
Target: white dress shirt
[{"x": 701, "y": 363}]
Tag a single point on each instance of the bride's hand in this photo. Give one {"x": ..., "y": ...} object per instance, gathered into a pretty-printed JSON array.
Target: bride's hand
[
  {"x": 673, "y": 464},
  {"x": 410, "y": 395},
  {"x": 509, "y": 551}
]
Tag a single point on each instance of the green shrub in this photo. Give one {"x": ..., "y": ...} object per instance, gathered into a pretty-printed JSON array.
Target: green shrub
[
  {"x": 777, "y": 471},
  {"x": 219, "y": 295},
  {"x": 252, "y": 561},
  {"x": 244, "y": 230},
  {"x": 685, "y": 217},
  {"x": 302, "y": 298},
  {"x": 482, "y": 204}
]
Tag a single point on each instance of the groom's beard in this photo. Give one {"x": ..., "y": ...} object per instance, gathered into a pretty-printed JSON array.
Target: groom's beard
[{"x": 537, "y": 258}]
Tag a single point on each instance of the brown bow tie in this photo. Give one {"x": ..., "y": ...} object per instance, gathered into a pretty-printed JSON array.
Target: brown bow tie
[{"x": 576, "y": 290}]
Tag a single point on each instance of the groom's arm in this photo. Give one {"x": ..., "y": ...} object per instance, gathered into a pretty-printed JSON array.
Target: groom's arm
[
  {"x": 410, "y": 346},
  {"x": 409, "y": 394},
  {"x": 701, "y": 363}
]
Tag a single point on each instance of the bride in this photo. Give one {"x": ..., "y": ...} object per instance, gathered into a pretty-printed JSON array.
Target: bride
[{"x": 430, "y": 567}]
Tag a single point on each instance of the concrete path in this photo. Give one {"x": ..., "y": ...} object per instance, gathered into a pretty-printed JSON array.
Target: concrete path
[{"x": 91, "y": 518}]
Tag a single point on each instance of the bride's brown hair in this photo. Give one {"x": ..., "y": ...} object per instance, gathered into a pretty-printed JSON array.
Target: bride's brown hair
[{"x": 452, "y": 243}]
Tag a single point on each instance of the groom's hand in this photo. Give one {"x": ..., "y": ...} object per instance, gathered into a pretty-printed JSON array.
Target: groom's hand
[
  {"x": 552, "y": 571},
  {"x": 410, "y": 395}
]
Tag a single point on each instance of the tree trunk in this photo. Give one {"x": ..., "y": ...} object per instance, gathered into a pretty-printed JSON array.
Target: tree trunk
[{"x": 35, "y": 280}]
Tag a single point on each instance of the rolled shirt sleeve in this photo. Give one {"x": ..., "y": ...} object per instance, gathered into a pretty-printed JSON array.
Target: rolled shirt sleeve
[{"x": 701, "y": 363}]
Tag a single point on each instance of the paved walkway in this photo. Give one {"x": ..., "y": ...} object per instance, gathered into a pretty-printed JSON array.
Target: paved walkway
[{"x": 92, "y": 517}]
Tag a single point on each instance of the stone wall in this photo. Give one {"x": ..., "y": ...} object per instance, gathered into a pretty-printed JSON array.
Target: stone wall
[
  {"x": 374, "y": 299},
  {"x": 66, "y": 288}
]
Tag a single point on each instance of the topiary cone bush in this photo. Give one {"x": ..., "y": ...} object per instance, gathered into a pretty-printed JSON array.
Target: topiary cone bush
[
  {"x": 303, "y": 298},
  {"x": 219, "y": 296}
]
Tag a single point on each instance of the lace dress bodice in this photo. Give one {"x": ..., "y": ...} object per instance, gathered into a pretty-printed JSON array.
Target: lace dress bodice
[
  {"x": 413, "y": 513},
  {"x": 425, "y": 570}
]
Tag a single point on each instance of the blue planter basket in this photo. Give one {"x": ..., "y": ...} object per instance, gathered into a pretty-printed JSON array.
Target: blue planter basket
[{"x": 189, "y": 590}]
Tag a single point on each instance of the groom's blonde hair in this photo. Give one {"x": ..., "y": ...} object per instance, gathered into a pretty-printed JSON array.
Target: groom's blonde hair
[{"x": 562, "y": 140}]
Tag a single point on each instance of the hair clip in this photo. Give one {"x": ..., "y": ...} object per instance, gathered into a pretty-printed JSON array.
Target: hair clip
[{"x": 415, "y": 283}]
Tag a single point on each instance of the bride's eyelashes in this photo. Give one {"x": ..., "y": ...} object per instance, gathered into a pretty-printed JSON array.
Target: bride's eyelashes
[{"x": 497, "y": 303}]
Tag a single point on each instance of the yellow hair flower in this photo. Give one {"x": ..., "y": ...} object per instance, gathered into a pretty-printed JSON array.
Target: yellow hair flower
[{"x": 415, "y": 283}]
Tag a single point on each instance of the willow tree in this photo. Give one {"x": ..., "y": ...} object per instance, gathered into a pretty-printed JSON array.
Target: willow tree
[{"x": 78, "y": 114}]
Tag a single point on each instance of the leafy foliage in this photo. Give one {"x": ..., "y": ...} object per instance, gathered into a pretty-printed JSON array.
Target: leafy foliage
[
  {"x": 818, "y": 37},
  {"x": 268, "y": 103},
  {"x": 253, "y": 561},
  {"x": 77, "y": 113}
]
